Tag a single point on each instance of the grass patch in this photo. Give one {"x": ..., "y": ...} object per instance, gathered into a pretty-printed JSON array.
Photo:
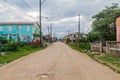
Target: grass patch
[
  {"x": 11, "y": 56},
  {"x": 83, "y": 47},
  {"x": 112, "y": 62},
  {"x": 76, "y": 48}
]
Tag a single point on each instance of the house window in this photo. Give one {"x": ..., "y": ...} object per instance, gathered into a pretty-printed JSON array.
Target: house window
[
  {"x": 74, "y": 36},
  {"x": 18, "y": 27},
  {"x": 28, "y": 28},
  {"x": 1, "y": 28},
  {"x": 10, "y": 28}
]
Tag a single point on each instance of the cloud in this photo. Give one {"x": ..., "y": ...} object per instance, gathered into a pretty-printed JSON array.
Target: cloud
[
  {"x": 68, "y": 20},
  {"x": 71, "y": 24},
  {"x": 34, "y": 14},
  {"x": 63, "y": 13}
]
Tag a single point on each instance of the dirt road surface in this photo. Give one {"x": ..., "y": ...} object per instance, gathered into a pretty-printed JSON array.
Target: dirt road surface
[{"x": 57, "y": 62}]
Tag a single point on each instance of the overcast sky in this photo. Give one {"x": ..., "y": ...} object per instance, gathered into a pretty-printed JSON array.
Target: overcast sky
[{"x": 63, "y": 14}]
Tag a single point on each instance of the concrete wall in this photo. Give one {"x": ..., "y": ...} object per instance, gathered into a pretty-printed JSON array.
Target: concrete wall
[
  {"x": 96, "y": 46},
  {"x": 118, "y": 29},
  {"x": 118, "y": 33},
  {"x": 113, "y": 48}
]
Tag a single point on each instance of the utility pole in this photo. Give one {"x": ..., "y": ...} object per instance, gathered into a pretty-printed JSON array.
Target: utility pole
[
  {"x": 48, "y": 30},
  {"x": 68, "y": 33},
  {"x": 79, "y": 30},
  {"x": 51, "y": 31},
  {"x": 40, "y": 22}
]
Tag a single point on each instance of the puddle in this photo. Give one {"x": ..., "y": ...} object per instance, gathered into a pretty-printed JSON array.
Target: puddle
[{"x": 45, "y": 76}]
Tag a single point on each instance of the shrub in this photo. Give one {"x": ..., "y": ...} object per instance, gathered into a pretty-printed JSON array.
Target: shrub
[
  {"x": 20, "y": 44},
  {"x": 27, "y": 47},
  {"x": 34, "y": 46},
  {"x": 12, "y": 47},
  {"x": 84, "y": 45},
  {"x": 68, "y": 40},
  {"x": 3, "y": 40}
]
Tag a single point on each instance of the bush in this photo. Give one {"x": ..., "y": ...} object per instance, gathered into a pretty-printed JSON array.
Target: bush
[
  {"x": 68, "y": 40},
  {"x": 16, "y": 47},
  {"x": 34, "y": 46},
  {"x": 8, "y": 47},
  {"x": 27, "y": 47},
  {"x": 11, "y": 47},
  {"x": 20, "y": 44},
  {"x": 13, "y": 55},
  {"x": 3, "y": 40},
  {"x": 84, "y": 45}
]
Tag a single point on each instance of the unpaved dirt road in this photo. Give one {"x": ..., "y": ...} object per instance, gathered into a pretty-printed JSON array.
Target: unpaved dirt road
[{"x": 57, "y": 62}]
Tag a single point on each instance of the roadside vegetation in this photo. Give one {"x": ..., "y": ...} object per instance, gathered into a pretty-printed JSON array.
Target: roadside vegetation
[
  {"x": 103, "y": 25},
  {"x": 84, "y": 46},
  {"x": 13, "y": 55},
  {"x": 111, "y": 61},
  {"x": 10, "y": 51},
  {"x": 103, "y": 29}
]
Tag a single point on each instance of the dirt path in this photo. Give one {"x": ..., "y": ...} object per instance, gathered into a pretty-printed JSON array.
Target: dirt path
[{"x": 57, "y": 62}]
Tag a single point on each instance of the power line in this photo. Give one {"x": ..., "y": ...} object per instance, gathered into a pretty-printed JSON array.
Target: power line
[
  {"x": 23, "y": 12},
  {"x": 10, "y": 3},
  {"x": 28, "y": 5},
  {"x": 43, "y": 2},
  {"x": 33, "y": 9}
]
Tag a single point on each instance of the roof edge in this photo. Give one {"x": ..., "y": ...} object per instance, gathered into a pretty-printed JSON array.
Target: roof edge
[{"x": 2, "y": 23}]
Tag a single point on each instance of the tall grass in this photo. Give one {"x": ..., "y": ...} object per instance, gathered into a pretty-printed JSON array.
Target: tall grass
[
  {"x": 11, "y": 56},
  {"x": 82, "y": 48}
]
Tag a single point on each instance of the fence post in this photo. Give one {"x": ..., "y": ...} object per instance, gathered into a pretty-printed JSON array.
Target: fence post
[
  {"x": 91, "y": 46},
  {"x": 107, "y": 47},
  {"x": 101, "y": 49}
]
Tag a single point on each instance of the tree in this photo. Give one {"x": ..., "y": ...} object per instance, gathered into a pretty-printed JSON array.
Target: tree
[
  {"x": 104, "y": 22},
  {"x": 68, "y": 40},
  {"x": 93, "y": 36},
  {"x": 3, "y": 40}
]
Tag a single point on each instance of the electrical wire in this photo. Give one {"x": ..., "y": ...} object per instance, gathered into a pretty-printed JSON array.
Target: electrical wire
[
  {"x": 30, "y": 6},
  {"x": 10, "y": 3},
  {"x": 43, "y": 2},
  {"x": 23, "y": 12},
  {"x": 27, "y": 5}
]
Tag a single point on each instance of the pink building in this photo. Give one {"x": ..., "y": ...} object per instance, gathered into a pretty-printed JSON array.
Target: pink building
[{"x": 118, "y": 28}]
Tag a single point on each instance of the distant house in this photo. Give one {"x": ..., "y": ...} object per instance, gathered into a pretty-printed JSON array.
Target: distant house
[
  {"x": 74, "y": 36},
  {"x": 118, "y": 28},
  {"x": 47, "y": 38},
  {"x": 19, "y": 31}
]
